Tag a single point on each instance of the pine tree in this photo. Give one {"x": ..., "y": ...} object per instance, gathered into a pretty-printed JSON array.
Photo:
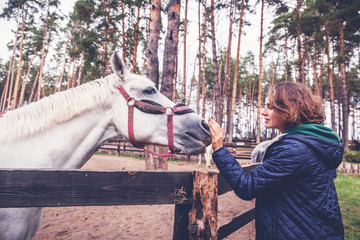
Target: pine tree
[{"x": 235, "y": 81}]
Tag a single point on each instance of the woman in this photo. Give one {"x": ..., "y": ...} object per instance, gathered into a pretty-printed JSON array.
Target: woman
[{"x": 294, "y": 189}]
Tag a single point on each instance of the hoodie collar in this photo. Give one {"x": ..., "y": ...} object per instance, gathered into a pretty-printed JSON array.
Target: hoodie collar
[{"x": 315, "y": 130}]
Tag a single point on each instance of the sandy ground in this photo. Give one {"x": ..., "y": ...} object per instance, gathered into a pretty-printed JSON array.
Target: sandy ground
[{"x": 131, "y": 222}]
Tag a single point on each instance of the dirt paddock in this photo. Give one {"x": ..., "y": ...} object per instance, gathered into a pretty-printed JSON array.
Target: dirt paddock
[{"x": 131, "y": 222}]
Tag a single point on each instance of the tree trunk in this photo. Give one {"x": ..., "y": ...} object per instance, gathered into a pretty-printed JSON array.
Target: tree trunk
[
  {"x": 170, "y": 51},
  {"x": 314, "y": 68},
  {"x": 339, "y": 99},
  {"x": 106, "y": 30},
  {"x": 32, "y": 92},
  {"x": 136, "y": 39},
  {"x": 69, "y": 73},
  {"x": 200, "y": 52},
  {"x": 227, "y": 84},
  {"x": 123, "y": 26},
  {"x": 353, "y": 121},
  {"x": 153, "y": 162},
  {"x": 248, "y": 106},
  {"x": 298, "y": 31},
  {"x": 217, "y": 91},
  {"x": 239, "y": 117},
  {"x": 234, "y": 86},
  {"x": 183, "y": 88},
  {"x": 6, "y": 90},
  {"x": 79, "y": 78},
  {"x": 204, "y": 82},
  {"x": 23, "y": 85},
  {"x": 303, "y": 54},
  {"x": 60, "y": 81},
  {"x": 344, "y": 95},
  {"x": 43, "y": 55},
  {"x": 152, "y": 71},
  {"x": 174, "y": 94},
  {"x": 169, "y": 60},
  {"x": 272, "y": 74},
  {"x": 192, "y": 81},
  {"x": 72, "y": 78},
  {"x": 22, "y": 90},
  {"x": 18, "y": 74},
  {"x": 61, "y": 77},
  {"x": 321, "y": 75},
  {"x": 260, "y": 75},
  {"x": 331, "y": 81},
  {"x": 287, "y": 59}
]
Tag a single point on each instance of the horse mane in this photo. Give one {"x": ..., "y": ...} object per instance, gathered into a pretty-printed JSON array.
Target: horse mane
[{"x": 55, "y": 109}]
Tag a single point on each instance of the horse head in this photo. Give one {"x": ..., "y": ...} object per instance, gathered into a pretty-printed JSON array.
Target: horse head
[{"x": 191, "y": 133}]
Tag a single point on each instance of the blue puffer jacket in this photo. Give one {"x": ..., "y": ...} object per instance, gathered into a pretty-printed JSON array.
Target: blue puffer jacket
[{"x": 294, "y": 189}]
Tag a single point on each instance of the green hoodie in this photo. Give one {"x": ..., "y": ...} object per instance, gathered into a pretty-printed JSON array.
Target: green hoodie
[{"x": 316, "y": 130}]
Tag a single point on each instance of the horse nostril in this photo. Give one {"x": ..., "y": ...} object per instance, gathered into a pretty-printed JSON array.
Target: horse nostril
[{"x": 205, "y": 125}]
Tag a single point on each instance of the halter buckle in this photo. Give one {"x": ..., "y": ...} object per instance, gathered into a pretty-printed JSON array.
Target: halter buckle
[
  {"x": 169, "y": 111},
  {"x": 131, "y": 102}
]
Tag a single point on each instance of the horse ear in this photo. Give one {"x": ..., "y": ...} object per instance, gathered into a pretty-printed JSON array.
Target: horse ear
[{"x": 118, "y": 65}]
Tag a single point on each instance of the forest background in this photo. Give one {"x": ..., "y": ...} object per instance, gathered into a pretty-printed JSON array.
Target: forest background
[{"x": 194, "y": 51}]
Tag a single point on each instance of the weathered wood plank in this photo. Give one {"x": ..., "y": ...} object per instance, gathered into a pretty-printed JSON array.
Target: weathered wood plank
[
  {"x": 181, "y": 221},
  {"x": 52, "y": 188},
  {"x": 236, "y": 223}
]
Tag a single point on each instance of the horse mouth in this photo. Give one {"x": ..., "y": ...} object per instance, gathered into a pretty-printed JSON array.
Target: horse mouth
[
  {"x": 194, "y": 144},
  {"x": 192, "y": 135},
  {"x": 206, "y": 141}
]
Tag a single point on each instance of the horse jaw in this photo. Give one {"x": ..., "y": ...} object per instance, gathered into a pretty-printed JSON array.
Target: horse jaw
[{"x": 192, "y": 134}]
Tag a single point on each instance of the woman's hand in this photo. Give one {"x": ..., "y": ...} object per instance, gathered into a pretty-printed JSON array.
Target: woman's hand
[{"x": 217, "y": 135}]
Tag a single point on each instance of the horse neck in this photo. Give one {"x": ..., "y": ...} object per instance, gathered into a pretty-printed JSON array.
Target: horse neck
[
  {"x": 87, "y": 132},
  {"x": 67, "y": 145}
]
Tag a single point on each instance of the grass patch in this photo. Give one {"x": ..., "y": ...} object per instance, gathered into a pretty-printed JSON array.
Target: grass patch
[
  {"x": 170, "y": 160},
  {"x": 115, "y": 155},
  {"x": 347, "y": 187},
  {"x": 105, "y": 154}
]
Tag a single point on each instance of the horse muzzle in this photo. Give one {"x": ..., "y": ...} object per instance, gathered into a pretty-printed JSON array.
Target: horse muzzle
[{"x": 196, "y": 136}]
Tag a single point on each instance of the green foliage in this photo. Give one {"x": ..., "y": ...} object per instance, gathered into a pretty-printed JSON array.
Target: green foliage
[
  {"x": 14, "y": 9},
  {"x": 351, "y": 156},
  {"x": 354, "y": 86},
  {"x": 347, "y": 187}
]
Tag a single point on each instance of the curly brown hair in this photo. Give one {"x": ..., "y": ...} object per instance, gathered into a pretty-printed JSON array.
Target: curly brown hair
[{"x": 295, "y": 104}]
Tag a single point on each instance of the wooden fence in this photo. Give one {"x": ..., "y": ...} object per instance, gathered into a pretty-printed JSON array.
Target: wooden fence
[
  {"x": 240, "y": 150},
  {"x": 55, "y": 188}
]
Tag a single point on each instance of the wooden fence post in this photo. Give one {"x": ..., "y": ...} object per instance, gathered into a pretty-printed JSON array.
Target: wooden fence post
[
  {"x": 181, "y": 221},
  {"x": 203, "y": 215}
]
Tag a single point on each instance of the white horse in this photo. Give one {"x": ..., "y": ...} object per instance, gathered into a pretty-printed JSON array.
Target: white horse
[
  {"x": 65, "y": 129},
  {"x": 207, "y": 156}
]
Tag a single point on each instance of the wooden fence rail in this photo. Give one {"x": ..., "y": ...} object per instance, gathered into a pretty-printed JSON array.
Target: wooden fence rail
[
  {"x": 241, "y": 151},
  {"x": 55, "y": 188}
]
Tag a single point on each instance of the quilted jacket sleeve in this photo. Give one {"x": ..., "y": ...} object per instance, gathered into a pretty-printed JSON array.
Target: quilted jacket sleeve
[{"x": 285, "y": 160}]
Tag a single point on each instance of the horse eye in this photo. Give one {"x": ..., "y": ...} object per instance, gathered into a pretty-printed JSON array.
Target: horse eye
[{"x": 149, "y": 91}]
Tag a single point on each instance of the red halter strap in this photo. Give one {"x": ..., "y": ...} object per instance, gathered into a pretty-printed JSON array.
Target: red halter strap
[{"x": 153, "y": 108}]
